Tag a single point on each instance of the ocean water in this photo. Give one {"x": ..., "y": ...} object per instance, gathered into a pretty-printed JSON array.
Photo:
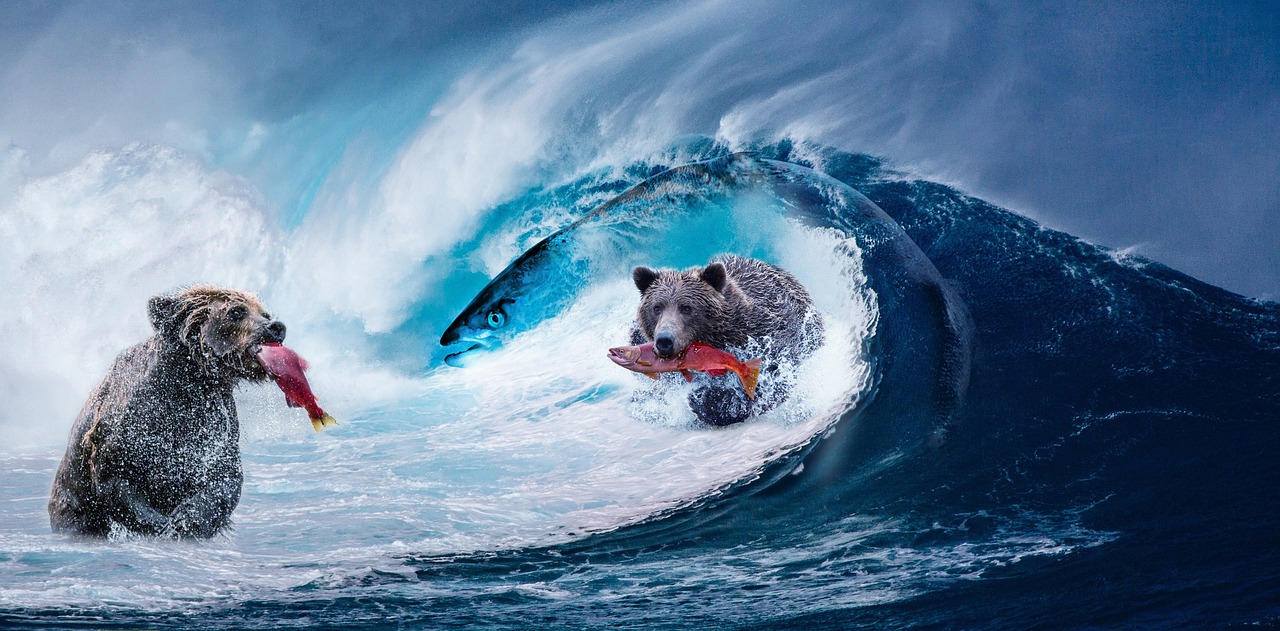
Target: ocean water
[{"x": 1005, "y": 427}]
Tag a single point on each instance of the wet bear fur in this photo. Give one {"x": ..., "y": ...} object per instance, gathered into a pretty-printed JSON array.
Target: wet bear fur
[
  {"x": 729, "y": 304},
  {"x": 155, "y": 449}
]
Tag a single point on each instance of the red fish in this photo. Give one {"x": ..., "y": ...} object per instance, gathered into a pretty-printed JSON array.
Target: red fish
[
  {"x": 697, "y": 356},
  {"x": 286, "y": 367}
]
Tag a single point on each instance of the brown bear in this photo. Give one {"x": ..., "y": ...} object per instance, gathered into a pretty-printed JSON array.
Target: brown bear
[
  {"x": 155, "y": 450},
  {"x": 734, "y": 303}
]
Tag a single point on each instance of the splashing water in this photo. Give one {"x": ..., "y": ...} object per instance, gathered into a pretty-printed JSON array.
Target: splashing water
[{"x": 1005, "y": 425}]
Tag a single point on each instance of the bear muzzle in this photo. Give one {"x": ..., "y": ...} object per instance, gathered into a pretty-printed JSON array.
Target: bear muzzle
[
  {"x": 273, "y": 332},
  {"x": 664, "y": 344}
]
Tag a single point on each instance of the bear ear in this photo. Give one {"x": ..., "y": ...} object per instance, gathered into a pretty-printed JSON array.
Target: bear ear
[
  {"x": 643, "y": 277},
  {"x": 163, "y": 313},
  {"x": 715, "y": 276}
]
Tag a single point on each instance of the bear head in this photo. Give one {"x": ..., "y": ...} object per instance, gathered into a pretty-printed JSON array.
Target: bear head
[
  {"x": 681, "y": 307},
  {"x": 221, "y": 329}
]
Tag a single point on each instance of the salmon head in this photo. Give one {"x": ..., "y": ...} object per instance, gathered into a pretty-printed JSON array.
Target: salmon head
[{"x": 625, "y": 355}]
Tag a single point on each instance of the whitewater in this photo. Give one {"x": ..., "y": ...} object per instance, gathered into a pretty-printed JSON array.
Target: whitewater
[{"x": 1006, "y": 426}]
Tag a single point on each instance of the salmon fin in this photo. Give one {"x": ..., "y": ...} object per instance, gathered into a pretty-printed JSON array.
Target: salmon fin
[
  {"x": 651, "y": 375},
  {"x": 323, "y": 422},
  {"x": 750, "y": 376},
  {"x": 688, "y": 376}
]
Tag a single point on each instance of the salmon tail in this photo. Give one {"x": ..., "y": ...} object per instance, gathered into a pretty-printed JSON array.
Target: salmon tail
[
  {"x": 323, "y": 422},
  {"x": 750, "y": 376}
]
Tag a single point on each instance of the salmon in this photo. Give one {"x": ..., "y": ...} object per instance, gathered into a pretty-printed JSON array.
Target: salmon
[
  {"x": 286, "y": 367},
  {"x": 696, "y": 357}
]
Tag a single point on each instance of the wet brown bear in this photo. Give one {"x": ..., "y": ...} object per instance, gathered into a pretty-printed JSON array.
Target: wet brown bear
[
  {"x": 155, "y": 450},
  {"x": 731, "y": 303}
]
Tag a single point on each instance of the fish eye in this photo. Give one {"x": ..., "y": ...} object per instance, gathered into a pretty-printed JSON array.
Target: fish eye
[
  {"x": 496, "y": 319},
  {"x": 237, "y": 313}
]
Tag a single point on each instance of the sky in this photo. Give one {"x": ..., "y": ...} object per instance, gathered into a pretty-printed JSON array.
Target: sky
[{"x": 1152, "y": 127}]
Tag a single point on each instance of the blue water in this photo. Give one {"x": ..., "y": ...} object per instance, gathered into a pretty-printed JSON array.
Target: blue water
[
  {"x": 1086, "y": 439},
  {"x": 1006, "y": 426}
]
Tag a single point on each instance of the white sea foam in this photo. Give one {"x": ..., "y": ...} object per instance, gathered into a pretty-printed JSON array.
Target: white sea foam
[
  {"x": 85, "y": 249},
  {"x": 532, "y": 444}
]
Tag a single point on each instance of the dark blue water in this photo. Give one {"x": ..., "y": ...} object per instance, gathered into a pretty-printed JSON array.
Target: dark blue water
[{"x": 1114, "y": 387}]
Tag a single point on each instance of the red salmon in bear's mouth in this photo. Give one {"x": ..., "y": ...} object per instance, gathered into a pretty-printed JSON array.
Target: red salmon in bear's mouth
[
  {"x": 696, "y": 357},
  {"x": 287, "y": 367}
]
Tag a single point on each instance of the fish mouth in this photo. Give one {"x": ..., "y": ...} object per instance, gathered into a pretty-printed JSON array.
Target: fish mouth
[
  {"x": 465, "y": 346},
  {"x": 622, "y": 356}
]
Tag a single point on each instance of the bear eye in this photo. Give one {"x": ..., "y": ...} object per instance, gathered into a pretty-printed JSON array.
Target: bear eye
[
  {"x": 496, "y": 319},
  {"x": 657, "y": 309},
  {"x": 685, "y": 309},
  {"x": 237, "y": 313}
]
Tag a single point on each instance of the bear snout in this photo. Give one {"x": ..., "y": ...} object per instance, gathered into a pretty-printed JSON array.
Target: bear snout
[
  {"x": 273, "y": 332},
  {"x": 664, "y": 344}
]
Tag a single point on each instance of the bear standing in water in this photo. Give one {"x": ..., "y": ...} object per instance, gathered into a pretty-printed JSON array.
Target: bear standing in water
[
  {"x": 728, "y": 304},
  {"x": 156, "y": 448}
]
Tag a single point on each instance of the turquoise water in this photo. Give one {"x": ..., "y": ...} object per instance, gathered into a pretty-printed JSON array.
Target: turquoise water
[{"x": 999, "y": 431}]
